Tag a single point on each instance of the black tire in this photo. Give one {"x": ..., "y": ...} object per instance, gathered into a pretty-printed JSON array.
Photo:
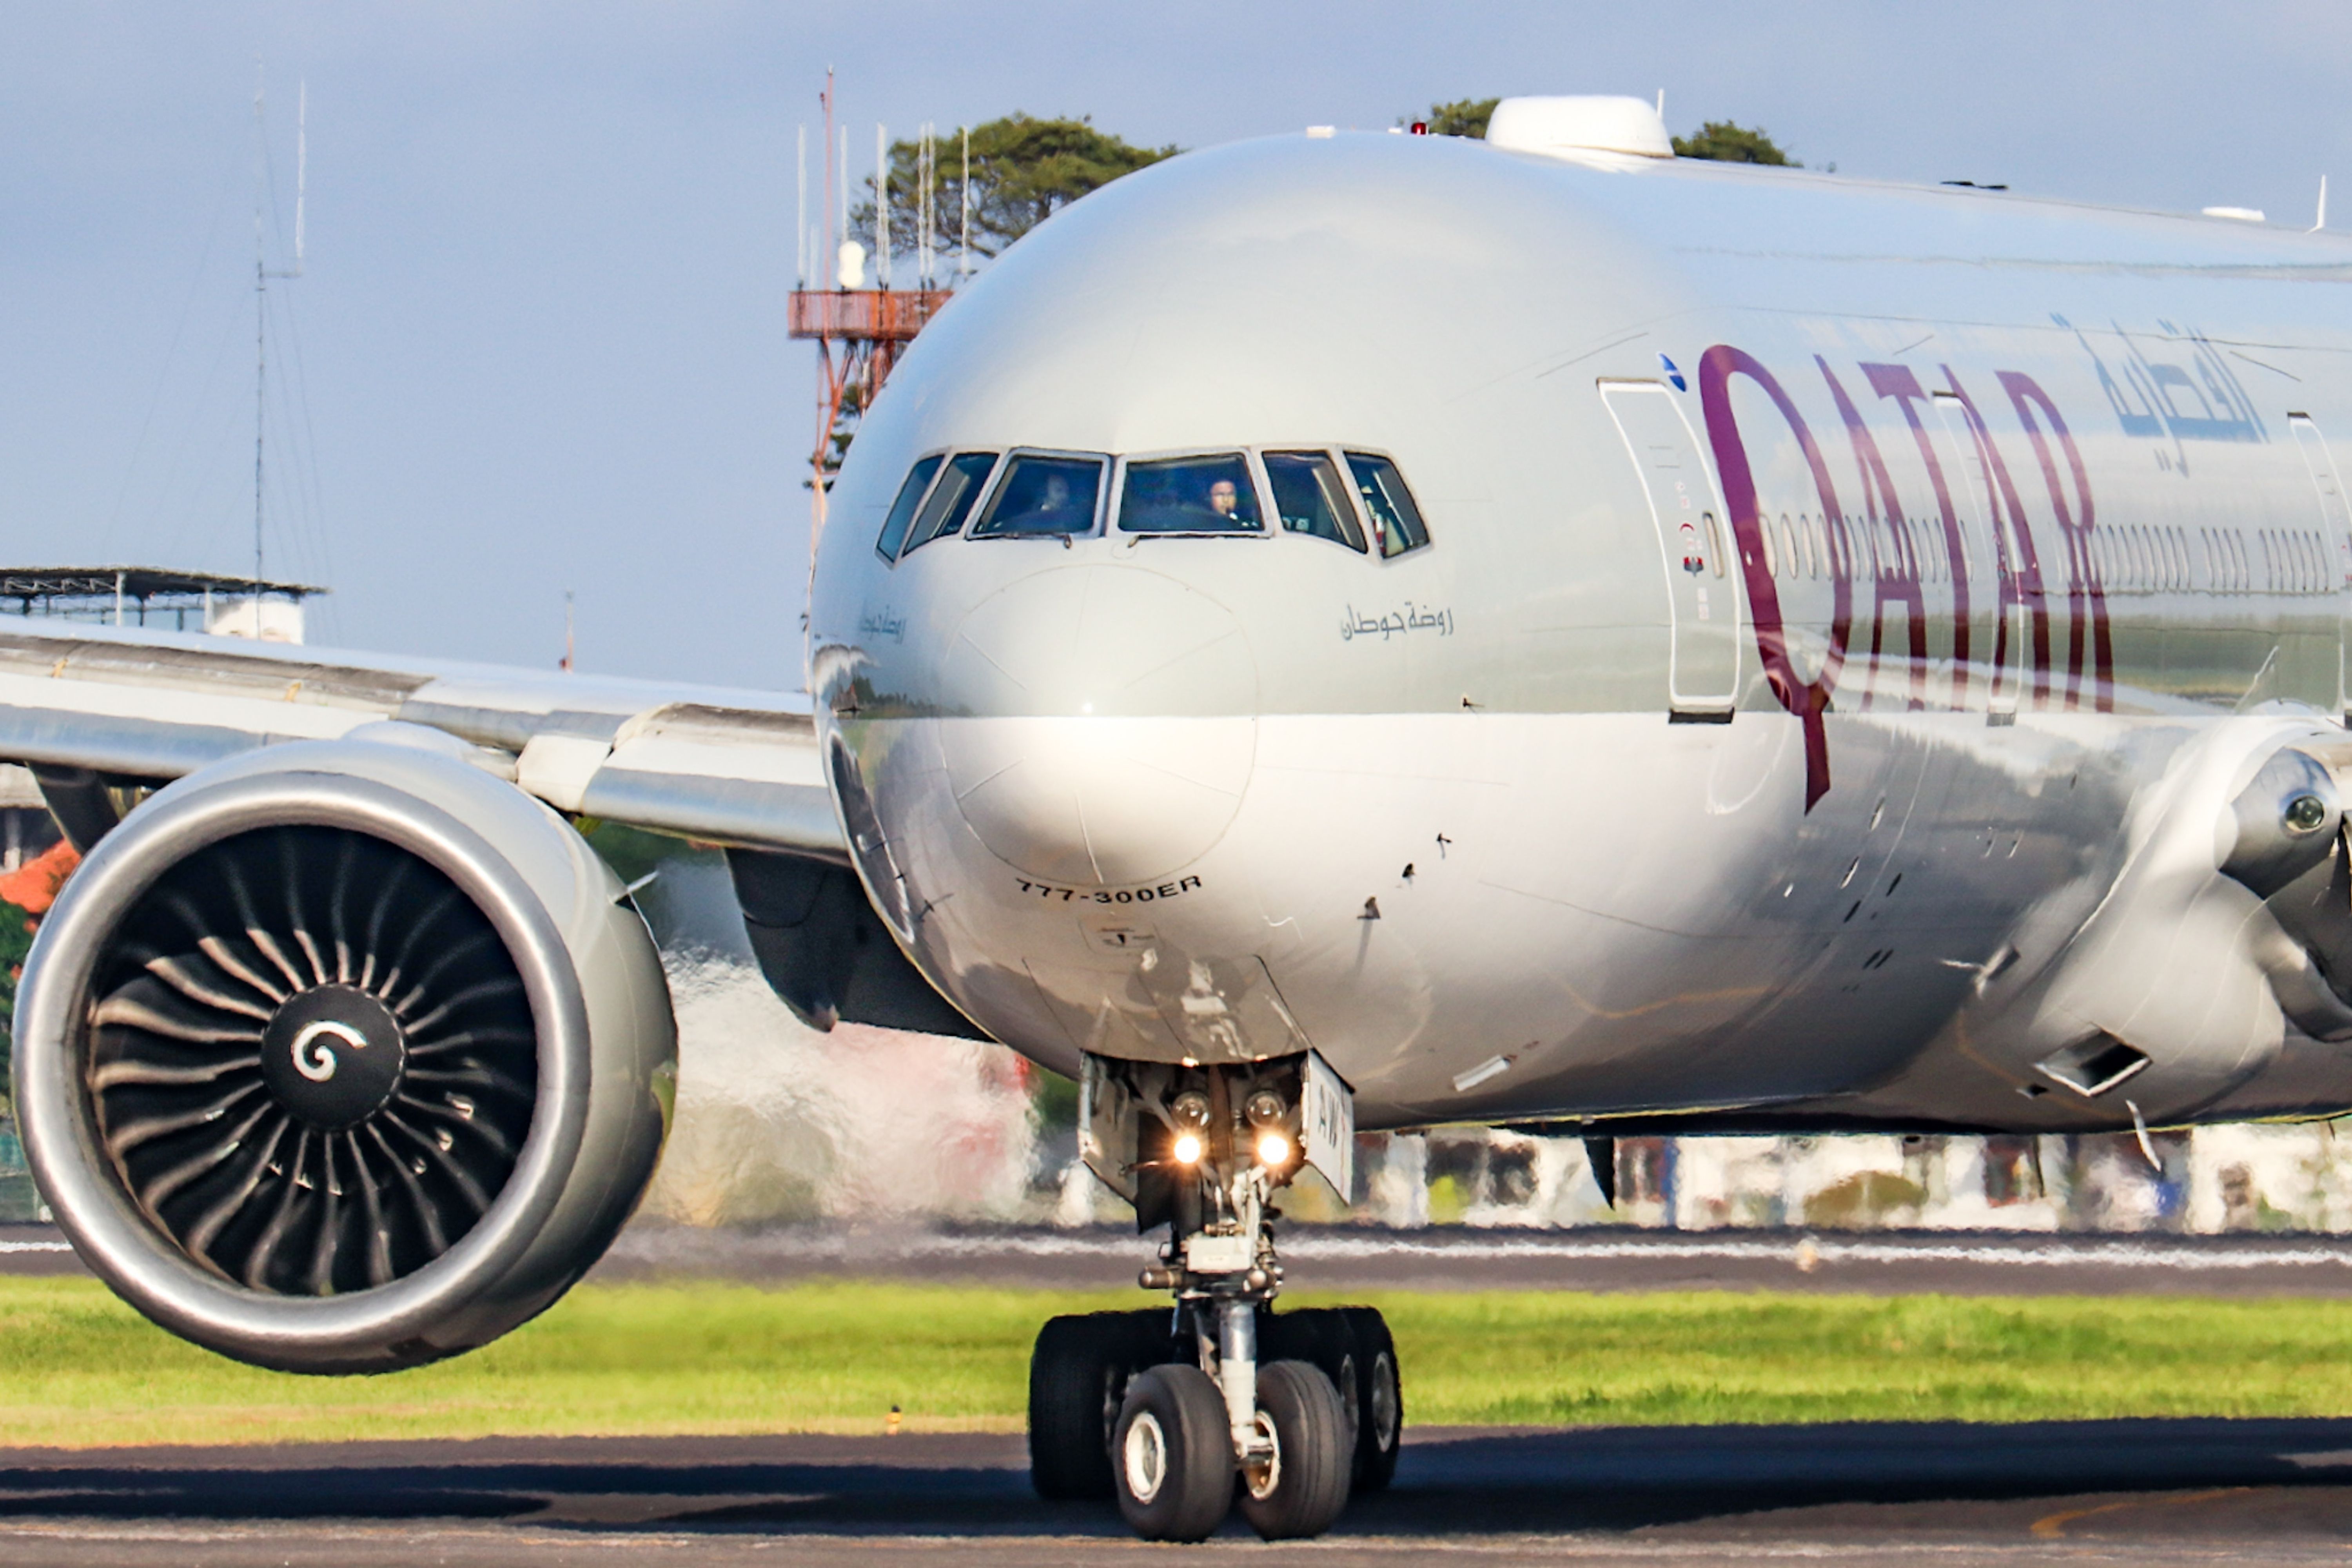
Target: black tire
[
  {"x": 1300, "y": 1493},
  {"x": 1380, "y": 1398},
  {"x": 1172, "y": 1458},
  {"x": 1078, "y": 1373},
  {"x": 1152, "y": 1340},
  {"x": 1323, "y": 1336}
]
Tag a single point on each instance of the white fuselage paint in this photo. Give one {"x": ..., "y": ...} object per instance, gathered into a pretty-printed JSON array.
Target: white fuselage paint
[{"x": 1941, "y": 805}]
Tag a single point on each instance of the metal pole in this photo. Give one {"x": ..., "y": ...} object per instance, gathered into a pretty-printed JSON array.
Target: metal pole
[{"x": 881, "y": 208}]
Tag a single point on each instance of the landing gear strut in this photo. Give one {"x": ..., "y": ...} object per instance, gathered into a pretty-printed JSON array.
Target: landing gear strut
[{"x": 1182, "y": 1416}]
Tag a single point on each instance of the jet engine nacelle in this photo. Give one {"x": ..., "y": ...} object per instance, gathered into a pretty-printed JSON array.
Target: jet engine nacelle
[{"x": 343, "y": 1056}]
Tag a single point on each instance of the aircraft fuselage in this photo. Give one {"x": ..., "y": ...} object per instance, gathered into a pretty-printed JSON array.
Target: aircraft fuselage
[{"x": 1844, "y": 609}]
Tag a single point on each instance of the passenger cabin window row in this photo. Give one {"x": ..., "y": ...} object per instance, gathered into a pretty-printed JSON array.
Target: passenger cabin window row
[
  {"x": 1814, "y": 545},
  {"x": 1355, "y": 499},
  {"x": 2294, "y": 561},
  {"x": 2135, "y": 558},
  {"x": 2129, "y": 558}
]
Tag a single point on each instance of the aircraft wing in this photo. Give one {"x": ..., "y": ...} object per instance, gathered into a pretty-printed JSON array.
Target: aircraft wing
[{"x": 730, "y": 766}]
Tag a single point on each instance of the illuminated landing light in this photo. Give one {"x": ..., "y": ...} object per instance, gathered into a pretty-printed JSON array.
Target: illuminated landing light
[
  {"x": 1188, "y": 1148},
  {"x": 1273, "y": 1150}
]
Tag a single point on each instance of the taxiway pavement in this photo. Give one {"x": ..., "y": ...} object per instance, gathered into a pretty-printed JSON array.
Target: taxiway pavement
[
  {"x": 1353, "y": 1257},
  {"x": 2149, "y": 1493}
]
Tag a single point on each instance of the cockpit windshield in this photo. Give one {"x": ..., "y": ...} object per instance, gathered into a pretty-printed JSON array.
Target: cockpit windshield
[
  {"x": 902, "y": 511},
  {"x": 1044, "y": 495},
  {"x": 951, "y": 499},
  {"x": 1353, "y": 498},
  {"x": 1396, "y": 521},
  {"x": 1189, "y": 495},
  {"x": 1310, "y": 498}
]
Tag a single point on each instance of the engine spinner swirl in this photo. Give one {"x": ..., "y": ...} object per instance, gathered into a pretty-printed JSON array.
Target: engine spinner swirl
[
  {"x": 312, "y": 1060},
  {"x": 333, "y": 1057}
]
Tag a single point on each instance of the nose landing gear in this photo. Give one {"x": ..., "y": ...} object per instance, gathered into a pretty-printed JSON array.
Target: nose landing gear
[{"x": 1184, "y": 1416}]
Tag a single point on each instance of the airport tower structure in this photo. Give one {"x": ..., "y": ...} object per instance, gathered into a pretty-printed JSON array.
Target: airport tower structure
[
  {"x": 861, "y": 331},
  {"x": 859, "y": 334}
]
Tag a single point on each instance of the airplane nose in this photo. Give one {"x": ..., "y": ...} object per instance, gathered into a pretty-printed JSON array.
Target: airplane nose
[{"x": 1101, "y": 724}]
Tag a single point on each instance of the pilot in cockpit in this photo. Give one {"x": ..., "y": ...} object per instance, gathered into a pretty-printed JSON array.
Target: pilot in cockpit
[
  {"x": 1224, "y": 500},
  {"x": 1054, "y": 513}
]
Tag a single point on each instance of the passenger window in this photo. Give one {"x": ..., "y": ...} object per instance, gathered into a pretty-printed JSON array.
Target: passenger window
[
  {"x": 1396, "y": 521},
  {"x": 1047, "y": 496},
  {"x": 902, "y": 510},
  {"x": 1309, "y": 498},
  {"x": 952, "y": 500},
  {"x": 1189, "y": 495}
]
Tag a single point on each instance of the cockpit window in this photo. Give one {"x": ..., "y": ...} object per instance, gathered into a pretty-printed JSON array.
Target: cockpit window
[
  {"x": 902, "y": 510},
  {"x": 1396, "y": 521},
  {"x": 1041, "y": 495},
  {"x": 951, "y": 499},
  {"x": 1189, "y": 495},
  {"x": 1309, "y": 498}
]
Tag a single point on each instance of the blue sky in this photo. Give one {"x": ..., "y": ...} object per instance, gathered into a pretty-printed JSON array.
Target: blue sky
[{"x": 540, "y": 343}]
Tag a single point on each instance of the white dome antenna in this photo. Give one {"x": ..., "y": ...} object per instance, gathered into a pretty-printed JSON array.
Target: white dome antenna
[{"x": 1570, "y": 125}]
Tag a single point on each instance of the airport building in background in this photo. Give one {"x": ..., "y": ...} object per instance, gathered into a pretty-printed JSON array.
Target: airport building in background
[{"x": 158, "y": 598}]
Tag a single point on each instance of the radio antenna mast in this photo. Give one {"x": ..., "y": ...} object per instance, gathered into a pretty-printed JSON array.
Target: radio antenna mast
[{"x": 262, "y": 274}]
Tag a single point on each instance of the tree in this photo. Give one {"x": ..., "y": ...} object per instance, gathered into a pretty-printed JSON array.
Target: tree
[
  {"x": 1720, "y": 140},
  {"x": 1728, "y": 143},
  {"x": 1463, "y": 117},
  {"x": 1024, "y": 171}
]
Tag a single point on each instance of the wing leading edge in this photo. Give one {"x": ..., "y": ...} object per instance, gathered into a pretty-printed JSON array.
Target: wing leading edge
[{"x": 730, "y": 766}]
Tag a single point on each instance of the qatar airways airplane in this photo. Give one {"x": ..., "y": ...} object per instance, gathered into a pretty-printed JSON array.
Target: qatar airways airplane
[{"x": 1330, "y": 632}]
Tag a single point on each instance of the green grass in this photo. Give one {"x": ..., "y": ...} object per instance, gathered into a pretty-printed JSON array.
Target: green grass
[{"x": 78, "y": 1368}]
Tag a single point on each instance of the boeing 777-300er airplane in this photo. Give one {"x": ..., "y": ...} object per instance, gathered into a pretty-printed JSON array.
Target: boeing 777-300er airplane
[{"x": 1330, "y": 632}]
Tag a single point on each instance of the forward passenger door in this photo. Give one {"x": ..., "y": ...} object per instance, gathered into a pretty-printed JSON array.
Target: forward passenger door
[{"x": 1694, "y": 547}]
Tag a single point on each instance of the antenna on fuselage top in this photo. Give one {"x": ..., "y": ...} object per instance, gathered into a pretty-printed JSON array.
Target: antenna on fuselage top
[{"x": 2321, "y": 221}]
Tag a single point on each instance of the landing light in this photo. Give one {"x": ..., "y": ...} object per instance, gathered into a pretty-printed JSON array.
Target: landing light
[
  {"x": 1273, "y": 1148},
  {"x": 1188, "y": 1148},
  {"x": 2305, "y": 813}
]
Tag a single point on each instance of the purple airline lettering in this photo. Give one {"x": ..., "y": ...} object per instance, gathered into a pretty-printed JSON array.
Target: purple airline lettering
[
  {"x": 1808, "y": 700},
  {"x": 2084, "y": 589},
  {"x": 1896, "y": 381},
  {"x": 2016, "y": 565},
  {"x": 1896, "y": 579}
]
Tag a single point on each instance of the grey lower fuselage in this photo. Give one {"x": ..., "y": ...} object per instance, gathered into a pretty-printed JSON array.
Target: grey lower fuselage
[{"x": 1849, "y": 813}]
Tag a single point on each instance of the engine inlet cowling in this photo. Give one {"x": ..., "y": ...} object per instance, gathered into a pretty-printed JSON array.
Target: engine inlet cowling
[{"x": 343, "y": 1057}]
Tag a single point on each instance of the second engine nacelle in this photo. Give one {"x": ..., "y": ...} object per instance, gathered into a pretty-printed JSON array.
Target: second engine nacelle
[{"x": 343, "y": 1056}]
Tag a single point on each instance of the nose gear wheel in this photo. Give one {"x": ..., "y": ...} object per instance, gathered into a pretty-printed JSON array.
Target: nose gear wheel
[{"x": 312, "y": 1064}]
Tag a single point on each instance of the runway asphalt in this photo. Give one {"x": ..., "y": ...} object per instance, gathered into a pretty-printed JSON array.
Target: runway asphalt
[{"x": 2145, "y": 1493}]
